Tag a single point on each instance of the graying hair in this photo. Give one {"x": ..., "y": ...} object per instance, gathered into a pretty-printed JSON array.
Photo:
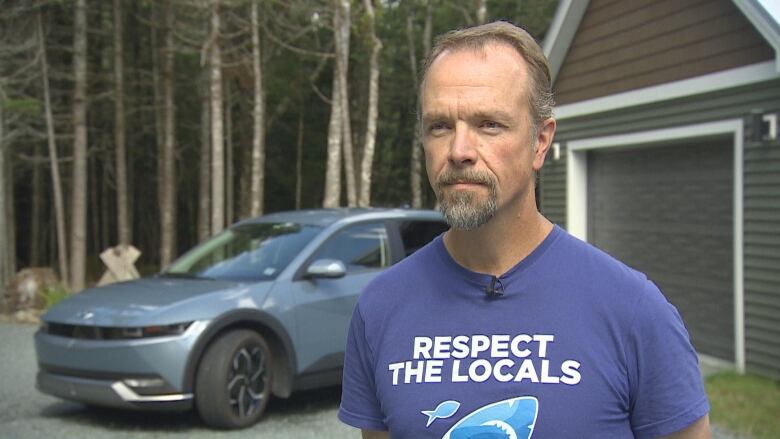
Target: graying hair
[{"x": 540, "y": 97}]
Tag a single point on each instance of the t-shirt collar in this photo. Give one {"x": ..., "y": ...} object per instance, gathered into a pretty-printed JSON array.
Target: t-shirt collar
[{"x": 481, "y": 279}]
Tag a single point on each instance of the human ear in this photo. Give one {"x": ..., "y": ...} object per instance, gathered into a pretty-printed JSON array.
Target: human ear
[{"x": 544, "y": 137}]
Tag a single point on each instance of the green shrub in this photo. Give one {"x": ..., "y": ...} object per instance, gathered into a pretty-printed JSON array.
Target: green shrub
[{"x": 54, "y": 294}]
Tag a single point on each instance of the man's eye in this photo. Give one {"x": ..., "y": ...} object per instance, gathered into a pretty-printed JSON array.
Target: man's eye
[
  {"x": 437, "y": 127},
  {"x": 491, "y": 125}
]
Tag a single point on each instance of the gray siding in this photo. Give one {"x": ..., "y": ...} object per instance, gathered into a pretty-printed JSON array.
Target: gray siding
[
  {"x": 761, "y": 196},
  {"x": 552, "y": 189},
  {"x": 762, "y": 253}
]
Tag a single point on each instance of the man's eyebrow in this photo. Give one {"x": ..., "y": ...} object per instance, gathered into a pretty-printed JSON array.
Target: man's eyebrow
[
  {"x": 427, "y": 117},
  {"x": 498, "y": 115}
]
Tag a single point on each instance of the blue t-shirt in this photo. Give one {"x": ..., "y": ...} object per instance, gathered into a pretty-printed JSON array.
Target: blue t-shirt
[{"x": 578, "y": 346}]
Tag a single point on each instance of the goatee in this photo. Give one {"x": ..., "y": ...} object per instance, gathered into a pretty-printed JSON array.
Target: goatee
[{"x": 465, "y": 209}]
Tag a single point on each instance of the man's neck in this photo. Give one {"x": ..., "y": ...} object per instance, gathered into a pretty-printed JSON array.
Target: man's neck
[{"x": 498, "y": 245}]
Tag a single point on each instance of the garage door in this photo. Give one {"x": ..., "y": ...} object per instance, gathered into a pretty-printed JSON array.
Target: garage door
[{"x": 667, "y": 211}]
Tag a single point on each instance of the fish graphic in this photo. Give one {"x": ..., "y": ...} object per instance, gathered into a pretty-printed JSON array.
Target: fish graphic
[
  {"x": 512, "y": 418},
  {"x": 443, "y": 410}
]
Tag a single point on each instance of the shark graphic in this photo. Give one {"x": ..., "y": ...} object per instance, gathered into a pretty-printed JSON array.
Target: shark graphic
[{"x": 512, "y": 418}]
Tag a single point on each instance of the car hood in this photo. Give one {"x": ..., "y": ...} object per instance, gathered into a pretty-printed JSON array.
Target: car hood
[{"x": 152, "y": 301}]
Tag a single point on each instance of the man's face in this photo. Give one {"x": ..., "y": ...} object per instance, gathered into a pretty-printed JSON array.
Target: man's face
[{"x": 480, "y": 149}]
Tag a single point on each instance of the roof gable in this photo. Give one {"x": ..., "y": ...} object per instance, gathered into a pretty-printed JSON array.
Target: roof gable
[
  {"x": 569, "y": 16},
  {"x": 604, "y": 47},
  {"x": 765, "y": 16}
]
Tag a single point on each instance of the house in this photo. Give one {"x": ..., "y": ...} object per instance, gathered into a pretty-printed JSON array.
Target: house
[{"x": 667, "y": 157}]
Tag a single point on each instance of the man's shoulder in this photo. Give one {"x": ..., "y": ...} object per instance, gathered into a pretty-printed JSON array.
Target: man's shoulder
[
  {"x": 601, "y": 276},
  {"x": 595, "y": 262}
]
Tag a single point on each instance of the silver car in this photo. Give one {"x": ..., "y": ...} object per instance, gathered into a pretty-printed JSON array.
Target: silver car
[{"x": 261, "y": 309}]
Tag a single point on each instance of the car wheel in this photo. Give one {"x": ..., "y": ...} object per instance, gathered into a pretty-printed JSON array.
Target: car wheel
[{"x": 233, "y": 383}]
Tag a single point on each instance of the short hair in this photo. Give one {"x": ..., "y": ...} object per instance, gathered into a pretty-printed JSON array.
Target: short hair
[{"x": 540, "y": 97}]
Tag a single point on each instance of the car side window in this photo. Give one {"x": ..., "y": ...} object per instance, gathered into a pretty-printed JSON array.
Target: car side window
[
  {"x": 360, "y": 247},
  {"x": 415, "y": 234}
]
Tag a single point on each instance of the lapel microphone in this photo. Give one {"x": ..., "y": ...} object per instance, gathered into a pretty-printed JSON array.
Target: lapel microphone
[{"x": 494, "y": 289}]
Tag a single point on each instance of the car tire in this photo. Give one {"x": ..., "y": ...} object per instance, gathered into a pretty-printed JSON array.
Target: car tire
[{"x": 233, "y": 382}]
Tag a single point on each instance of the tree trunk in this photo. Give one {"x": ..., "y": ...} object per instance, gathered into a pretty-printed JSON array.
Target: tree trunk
[
  {"x": 59, "y": 206},
  {"x": 410, "y": 40},
  {"x": 35, "y": 211},
  {"x": 159, "y": 124},
  {"x": 427, "y": 43},
  {"x": 244, "y": 169},
  {"x": 49, "y": 239},
  {"x": 299, "y": 162},
  {"x": 105, "y": 202},
  {"x": 139, "y": 88},
  {"x": 481, "y": 11},
  {"x": 93, "y": 195},
  {"x": 217, "y": 141},
  {"x": 5, "y": 272},
  {"x": 373, "y": 107},
  {"x": 415, "y": 168},
  {"x": 204, "y": 185},
  {"x": 78, "y": 241},
  {"x": 347, "y": 148},
  {"x": 9, "y": 214},
  {"x": 168, "y": 201},
  {"x": 428, "y": 28},
  {"x": 332, "y": 196},
  {"x": 229, "y": 165},
  {"x": 122, "y": 217},
  {"x": 258, "y": 122},
  {"x": 342, "y": 48}
]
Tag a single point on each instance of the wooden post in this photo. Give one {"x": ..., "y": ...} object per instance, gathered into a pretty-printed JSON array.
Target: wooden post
[{"x": 120, "y": 261}]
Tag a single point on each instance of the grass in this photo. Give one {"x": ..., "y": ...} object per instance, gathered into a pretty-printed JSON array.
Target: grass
[{"x": 745, "y": 404}]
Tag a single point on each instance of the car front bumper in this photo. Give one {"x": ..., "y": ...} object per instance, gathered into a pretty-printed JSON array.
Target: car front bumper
[
  {"x": 108, "y": 393},
  {"x": 138, "y": 373}
]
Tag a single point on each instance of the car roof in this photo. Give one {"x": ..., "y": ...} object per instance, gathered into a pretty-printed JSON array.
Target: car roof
[{"x": 326, "y": 217}]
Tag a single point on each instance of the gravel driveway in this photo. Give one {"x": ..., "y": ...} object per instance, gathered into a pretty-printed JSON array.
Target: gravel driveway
[{"x": 26, "y": 413}]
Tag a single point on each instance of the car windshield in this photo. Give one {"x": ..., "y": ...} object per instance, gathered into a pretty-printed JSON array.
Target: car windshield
[{"x": 249, "y": 252}]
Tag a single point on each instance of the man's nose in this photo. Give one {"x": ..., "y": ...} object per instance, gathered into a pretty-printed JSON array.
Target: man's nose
[{"x": 463, "y": 146}]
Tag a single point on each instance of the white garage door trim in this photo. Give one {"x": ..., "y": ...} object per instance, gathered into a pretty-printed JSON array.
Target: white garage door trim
[{"x": 577, "y": 194}]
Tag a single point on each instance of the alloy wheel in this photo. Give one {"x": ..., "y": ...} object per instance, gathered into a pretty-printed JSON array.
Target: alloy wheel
[{"x": 247, "y": 381}]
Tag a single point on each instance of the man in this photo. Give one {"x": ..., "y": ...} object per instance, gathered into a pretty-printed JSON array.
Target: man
[{"x": 506, "y": 326}]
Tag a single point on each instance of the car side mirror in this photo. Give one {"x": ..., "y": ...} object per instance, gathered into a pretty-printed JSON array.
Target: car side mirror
[{"x": 326, "y": 268}]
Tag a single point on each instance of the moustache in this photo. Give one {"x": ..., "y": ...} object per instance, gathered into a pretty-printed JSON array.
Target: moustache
[{"x": 451, "y": 177}]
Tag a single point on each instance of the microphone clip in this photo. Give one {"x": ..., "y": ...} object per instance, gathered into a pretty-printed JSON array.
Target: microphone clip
[{"x": 495, "y": 288}]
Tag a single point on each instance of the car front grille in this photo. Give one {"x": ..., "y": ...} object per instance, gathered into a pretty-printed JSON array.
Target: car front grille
[{"x": 86, "y": 332}]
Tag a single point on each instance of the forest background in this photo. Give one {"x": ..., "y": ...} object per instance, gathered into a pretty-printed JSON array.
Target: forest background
[{"x": 159, "y": 123}]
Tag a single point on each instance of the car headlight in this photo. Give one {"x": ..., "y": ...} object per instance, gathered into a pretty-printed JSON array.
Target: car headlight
[
  {"x": 155, "y": 331},
  {"x": 113, "y": 333}
]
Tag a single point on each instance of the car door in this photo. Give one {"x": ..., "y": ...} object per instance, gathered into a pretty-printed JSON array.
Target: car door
[{"x": 323, "y": 306}]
